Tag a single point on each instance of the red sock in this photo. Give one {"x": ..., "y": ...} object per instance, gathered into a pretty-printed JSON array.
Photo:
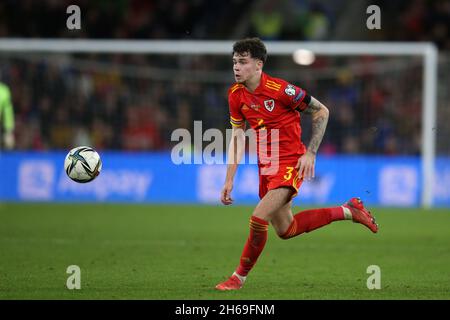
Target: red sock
[
  {"x": 254, "y": 245},
  {"x": 309, "y": 220}
]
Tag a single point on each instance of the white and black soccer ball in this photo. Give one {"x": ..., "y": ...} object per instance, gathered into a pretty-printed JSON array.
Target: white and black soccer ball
[{"x": 82, "y": 164}]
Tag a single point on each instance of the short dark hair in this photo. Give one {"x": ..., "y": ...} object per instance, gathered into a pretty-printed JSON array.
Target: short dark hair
[{"x": 254, "y": 46}]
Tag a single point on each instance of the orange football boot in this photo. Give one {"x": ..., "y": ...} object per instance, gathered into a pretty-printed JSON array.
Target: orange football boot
[
  {"x": 361, "y": 214},
  {"x": 233, "y": 283}
]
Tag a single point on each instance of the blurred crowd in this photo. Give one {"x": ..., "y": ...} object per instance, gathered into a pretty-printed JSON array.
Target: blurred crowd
[
  {"x": 94, "y": 99},
  {"x": 59, "y": 104},
  {"x": 417, "y": 20},
  {"x": 402, "y": 20},
  {"x": 131, "y": 19}
]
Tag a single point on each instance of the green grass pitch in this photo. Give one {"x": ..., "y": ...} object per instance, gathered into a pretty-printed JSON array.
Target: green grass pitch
[{"x": 182, "y": 252}]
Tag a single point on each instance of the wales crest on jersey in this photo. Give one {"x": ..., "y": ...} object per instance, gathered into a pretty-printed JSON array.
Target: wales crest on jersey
[{"x": 269, "y": 104}]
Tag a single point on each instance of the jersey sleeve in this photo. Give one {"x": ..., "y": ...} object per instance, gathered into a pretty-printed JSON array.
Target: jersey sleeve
[
  {"x": 236, "y": 117},
  {"x": 293, "y": 96}
]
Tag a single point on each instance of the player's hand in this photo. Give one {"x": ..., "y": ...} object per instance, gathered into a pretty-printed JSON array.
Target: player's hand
[
  {"x": 305, "y": 165},
  {"x": 226, "y": 193}
]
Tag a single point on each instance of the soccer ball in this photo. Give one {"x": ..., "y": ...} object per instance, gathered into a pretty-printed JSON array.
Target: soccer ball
[{"x": 82, "y": 164}]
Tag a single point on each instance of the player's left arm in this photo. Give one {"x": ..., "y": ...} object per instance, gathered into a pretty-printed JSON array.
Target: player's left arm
[{"x": 319, "y": 114}]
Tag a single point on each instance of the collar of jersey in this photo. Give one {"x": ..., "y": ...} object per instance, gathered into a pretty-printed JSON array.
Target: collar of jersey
[{"x": 260, "y": 87}]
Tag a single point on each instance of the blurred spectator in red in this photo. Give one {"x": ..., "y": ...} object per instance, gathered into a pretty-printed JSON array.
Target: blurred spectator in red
[{"x": 139, "y": 133}]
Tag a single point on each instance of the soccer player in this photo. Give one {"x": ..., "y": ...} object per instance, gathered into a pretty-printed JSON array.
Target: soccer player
[{"x": 274, "y": 107}]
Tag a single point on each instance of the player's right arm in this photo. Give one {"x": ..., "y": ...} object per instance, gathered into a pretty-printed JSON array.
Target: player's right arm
[
  {"x": 235, "y": 153},
  {"x": 236, "y": 147}
]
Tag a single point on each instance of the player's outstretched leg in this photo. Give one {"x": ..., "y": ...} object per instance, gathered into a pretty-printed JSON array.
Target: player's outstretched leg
[
  {"x": 361, "y": 214},
  {"x": 309, "y": 220}
]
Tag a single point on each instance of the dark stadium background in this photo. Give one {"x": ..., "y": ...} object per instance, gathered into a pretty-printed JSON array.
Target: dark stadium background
[{"x": 170, "y": 240}]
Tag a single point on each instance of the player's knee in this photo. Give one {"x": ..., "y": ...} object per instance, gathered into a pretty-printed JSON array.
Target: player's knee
[
  {"x": 286, "y": 236},
  {"x": 282, "y": 230},
  {"x": 278, "y": 230},
  {"x": 282, "y": 236}
]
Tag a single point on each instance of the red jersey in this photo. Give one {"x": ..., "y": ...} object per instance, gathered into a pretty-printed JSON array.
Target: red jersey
[{"x": 271, "y": 106}]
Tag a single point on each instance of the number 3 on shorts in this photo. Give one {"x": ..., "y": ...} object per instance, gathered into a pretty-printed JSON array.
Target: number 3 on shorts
[{"x": 288, "y": 174}]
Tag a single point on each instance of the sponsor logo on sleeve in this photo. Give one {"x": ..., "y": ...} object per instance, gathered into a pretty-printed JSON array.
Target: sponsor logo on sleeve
[{"x": 290, "y": 90}]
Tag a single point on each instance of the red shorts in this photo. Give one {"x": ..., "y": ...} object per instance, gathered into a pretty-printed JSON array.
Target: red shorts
[{"x": 285, "y": 176}]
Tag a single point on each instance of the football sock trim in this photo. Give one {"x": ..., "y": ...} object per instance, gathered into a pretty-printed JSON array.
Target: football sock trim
[
  {"x": 241, "y": 278},
  {"x": 347, "y": 213}
]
